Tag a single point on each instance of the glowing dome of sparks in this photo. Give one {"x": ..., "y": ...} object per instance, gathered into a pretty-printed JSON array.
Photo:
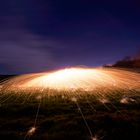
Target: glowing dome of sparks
[
  {"x": 86, "y": 79},
  {"x": 73, "y": 78}
]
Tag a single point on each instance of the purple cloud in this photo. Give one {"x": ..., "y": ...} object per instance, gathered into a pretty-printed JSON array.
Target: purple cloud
[{"x": 22, "y": 51}]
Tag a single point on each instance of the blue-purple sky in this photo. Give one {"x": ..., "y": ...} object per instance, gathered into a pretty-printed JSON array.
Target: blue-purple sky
[{"x": 39, "y": 35}]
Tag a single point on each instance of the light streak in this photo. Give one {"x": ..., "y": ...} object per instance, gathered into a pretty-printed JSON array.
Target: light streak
[
  {"x": 84, "y": 119},
  {"x": 127, "y": 100},
  {"x": 95, "y": 138},
  {"x": 72, "y": 84},
  {"x": 73, "y": 79},
  {"x": 104, "y": 101},
  {"x": 73, "y": 99},
  {"x": 31, "y": 131}
]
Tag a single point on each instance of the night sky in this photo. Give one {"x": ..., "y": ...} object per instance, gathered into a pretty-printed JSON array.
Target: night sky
[{"x": 40, "y": 35}]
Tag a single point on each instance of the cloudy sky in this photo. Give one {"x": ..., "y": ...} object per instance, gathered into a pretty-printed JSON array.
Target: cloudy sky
[{"x": 39, "y": 35}]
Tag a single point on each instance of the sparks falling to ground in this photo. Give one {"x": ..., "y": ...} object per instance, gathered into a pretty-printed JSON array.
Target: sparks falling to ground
[{"x": 102, "y": 86}]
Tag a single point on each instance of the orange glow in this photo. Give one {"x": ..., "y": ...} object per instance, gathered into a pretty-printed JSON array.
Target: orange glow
[{"x": 72, "y": 79}]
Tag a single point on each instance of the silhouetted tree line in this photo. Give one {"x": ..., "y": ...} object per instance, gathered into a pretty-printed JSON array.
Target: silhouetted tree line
[{"x": 127, "y": 62}]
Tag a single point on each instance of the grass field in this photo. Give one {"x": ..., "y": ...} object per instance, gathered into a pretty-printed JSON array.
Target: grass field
[{"x": 113, "y": 116}]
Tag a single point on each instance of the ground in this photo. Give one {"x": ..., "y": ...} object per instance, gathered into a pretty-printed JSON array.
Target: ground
[{"x": 114, "y": 117}]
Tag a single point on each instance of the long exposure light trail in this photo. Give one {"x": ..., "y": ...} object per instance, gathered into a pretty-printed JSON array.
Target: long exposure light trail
[
  {"x": 85, "y": 79},
  {"x": 103, "y": 85}
]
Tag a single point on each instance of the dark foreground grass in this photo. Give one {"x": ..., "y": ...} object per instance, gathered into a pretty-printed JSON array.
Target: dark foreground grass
[{"x": 60, "y": 119}]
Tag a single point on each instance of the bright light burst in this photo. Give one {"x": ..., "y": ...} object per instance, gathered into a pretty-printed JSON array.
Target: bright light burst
[
  {"x": 31, "y": 131},
  {"x": 71, "y": 79},
  {"x": 71, "y": 83}
]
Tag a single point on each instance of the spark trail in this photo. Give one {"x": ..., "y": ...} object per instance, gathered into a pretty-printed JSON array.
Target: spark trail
[
  {"x": 74, "y": 84},
  {"x": 72, "y": 79}
]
